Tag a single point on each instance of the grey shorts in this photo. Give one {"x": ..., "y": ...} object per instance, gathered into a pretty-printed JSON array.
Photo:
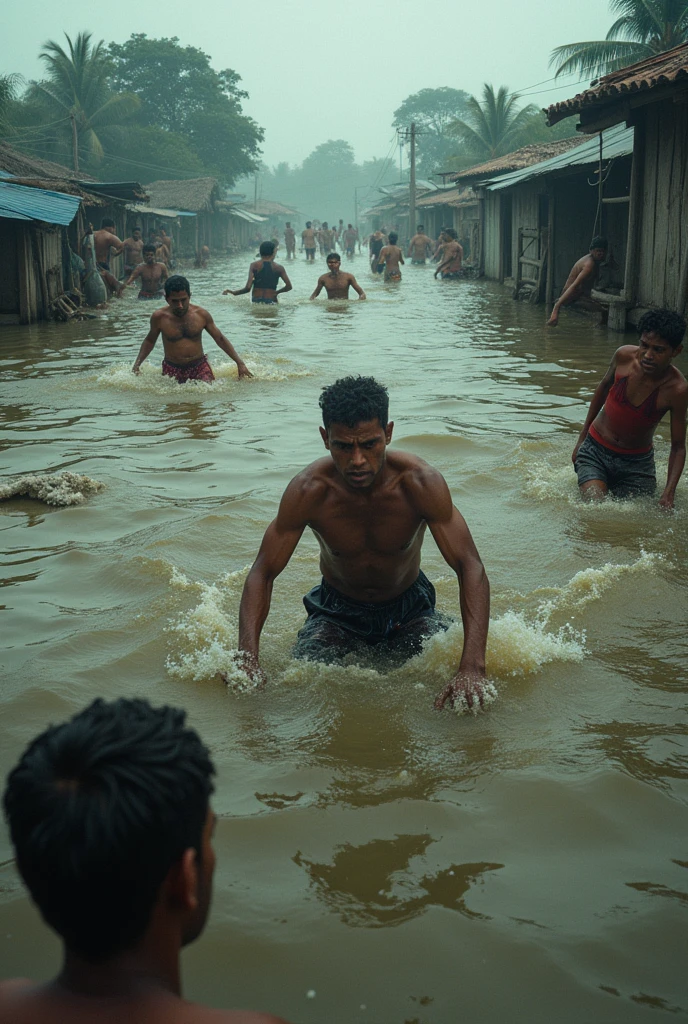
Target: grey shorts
[{"x": 624, "y": 475}]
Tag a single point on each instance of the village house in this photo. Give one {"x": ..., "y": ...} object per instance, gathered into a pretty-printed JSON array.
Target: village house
[
  {"x": 651, "y": 98},
  {"x": 196, "y": 196},
  {"x": 44, "y": 215}
]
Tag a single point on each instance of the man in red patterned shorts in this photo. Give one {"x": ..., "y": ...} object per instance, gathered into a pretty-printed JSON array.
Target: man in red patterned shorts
[{"x": 181, "y": 326}]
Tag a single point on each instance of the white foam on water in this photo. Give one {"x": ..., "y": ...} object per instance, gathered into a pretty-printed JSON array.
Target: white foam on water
[
  {"x": 151, "y": 380},
  {"x": 590, "y": 584},
  {"x": 59, "y": 489}
]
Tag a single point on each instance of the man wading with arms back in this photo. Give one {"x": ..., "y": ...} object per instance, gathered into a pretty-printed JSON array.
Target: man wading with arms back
[
  {"x": 110, "y": 820},
  {"x": 614, "y": 450},
  {"x": 369, "y": 509},
  {"x": 181, "y": 326}
]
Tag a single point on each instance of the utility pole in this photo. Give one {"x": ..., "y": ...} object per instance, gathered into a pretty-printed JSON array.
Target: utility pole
[
  {"x": 412, "y": 184},
  {"x": 75, "y": 144},
  {"x": 255, "y": 192}
]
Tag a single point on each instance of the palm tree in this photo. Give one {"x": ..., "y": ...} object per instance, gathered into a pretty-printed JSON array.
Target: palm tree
[
  {"x": 644, "y": 28},
  {"x": 496, "y": 126},
  {"x": 8, "y": 91},
  {"x": 77, "y": 92}
]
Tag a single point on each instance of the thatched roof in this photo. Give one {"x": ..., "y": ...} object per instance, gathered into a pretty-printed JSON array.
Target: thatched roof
[
  {"x": 448, "y": 197},
  {"x": 268, "y": 208},
  {"x": 23, "y": 166},
  {"x": 662, "y": 69},
  {"x": 518, "y": 160},
  {"x": 194, "y": 194}
]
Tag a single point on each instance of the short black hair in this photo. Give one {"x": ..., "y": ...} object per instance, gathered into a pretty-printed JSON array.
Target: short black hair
[
  {"x": 106, "y": 222},
  {"x": 308, "y": 223},
  {"x": 99, "y": 809},
  {"x": 393, "y": 237},
  {"x": 267, "y": 248},
  {"x": 149, "y": 247},
  {"x": 136, "y": 229},
  {"x": 668, "y": 325},
  {"x": 451, "y": 232},
  {"x": 177, "y": 283},
  {"x": 352, "y": 400},
  {"x": 421, "y": 227},
  {"x": 334, "y": 256},
  {"x": 598, "y": 242}
]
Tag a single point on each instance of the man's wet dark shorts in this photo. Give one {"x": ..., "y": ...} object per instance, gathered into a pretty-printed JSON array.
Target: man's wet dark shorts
[
  {"x": 624, "y": 475},
  {"x": 337, "y": 624}
]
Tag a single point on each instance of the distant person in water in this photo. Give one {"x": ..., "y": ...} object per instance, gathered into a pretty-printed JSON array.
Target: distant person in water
[
  {"x": 336, "y": 281},
  {"x": 263, "y": 277},
  {"x": 309, "y": 241},
  {"x": 290, "y": 240},
  {"x": 375, "y": 246},
  {"x": 202, "y": 257},
  {"x": 182, "y": 326},
  {"x": 107, "y": 246},
  {"x": 326, "y": 238},
  {"x": 451, "y": 256},
  {"x": 150, "y": 273},
  {"x": 420, "y": 246},
  {"x": 614, "y": 452},
  {"x": 133, "y": 251},
  {"x": 581, "y": 281},
  {"x": 349, "y": 241},
  {"x": 110, "y": 819},
  {"x": 391, "y": 256},
  {"x": 369, "y": 508}
]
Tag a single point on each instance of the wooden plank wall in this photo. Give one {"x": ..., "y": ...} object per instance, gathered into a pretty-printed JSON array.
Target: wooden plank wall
[
  {"x": 664, "y": 219},
  {"x": 491, "y": 241}
]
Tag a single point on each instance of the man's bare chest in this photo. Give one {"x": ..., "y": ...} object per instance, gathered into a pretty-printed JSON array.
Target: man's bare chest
[
  {"x": 187, "y": 327},
  {"x": 350, "y": 530}
]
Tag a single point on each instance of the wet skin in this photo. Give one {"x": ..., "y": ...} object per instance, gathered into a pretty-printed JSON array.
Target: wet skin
[
  {"x": 369, "y": 509},
  {"x": 337, "y": 283},
  {"x": 263, "y": 293},
  {"x": 580, "y": 282},
  {"x": 648, "y": 365},
  {"x": 182, "y": 326},
  {"x": 151, "y": 274}
]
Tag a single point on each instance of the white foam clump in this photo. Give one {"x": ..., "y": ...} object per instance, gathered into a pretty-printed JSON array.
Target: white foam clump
[
  {"x": 52, "y": 488},
  {"x": 490, "y": 694}
]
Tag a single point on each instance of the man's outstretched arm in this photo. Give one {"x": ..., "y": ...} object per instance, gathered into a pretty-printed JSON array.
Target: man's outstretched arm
[
  {"x": 356, "y": 287},
  {"x": 278, "y": 545},
  {"x": 318, "y": 288},
  {"x": 570, "y": 294},
  {"x": 458, "y": 549},
  {"x": 225, "y": 344},
  {"x": 148, "y": 344},
  {"x": 677, "y": 455}
]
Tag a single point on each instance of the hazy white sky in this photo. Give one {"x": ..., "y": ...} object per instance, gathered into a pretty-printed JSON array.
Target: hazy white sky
[{"x": 317, "y": 71}]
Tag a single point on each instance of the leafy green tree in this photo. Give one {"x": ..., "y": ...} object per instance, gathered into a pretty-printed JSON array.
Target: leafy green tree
[
  {"x": 181, "y": 93},
  {"x": 150, "y": 154},
  {"x": 644, "y": 28},
  {"x": 494, "y": 127},
  {"x": 77, "y": 87},
  {"x": 432, "y": 111},
  {"x": 8, "y": 91}
]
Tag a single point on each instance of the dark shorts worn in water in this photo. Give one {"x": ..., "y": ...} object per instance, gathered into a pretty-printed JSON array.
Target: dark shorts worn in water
[
  {"x": 103, "y": 265},
  {"x": 199, "y": 369},
  {"x": 263, "y": 301},
  {"x": 310, "y": 252},
  {"x": 337, "y": 625},
  {"x": 151, "y": 295},
  {"x": 626, "y": 476}
]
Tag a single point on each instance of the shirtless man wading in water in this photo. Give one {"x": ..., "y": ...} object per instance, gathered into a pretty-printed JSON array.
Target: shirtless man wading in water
[
  {"x": 581, "y": 281},
  {"x": 337, "y": 282},
  {"x": 391, "y": 255},
  {"x": 309, "y": 242},
  {"x": 614, "y": 450},
  {"x": 263, "y": 277},
  {"x": 181, "y": 326},
  {"x": 369, "y": 509},
  {"x": 151, "y": 274}
]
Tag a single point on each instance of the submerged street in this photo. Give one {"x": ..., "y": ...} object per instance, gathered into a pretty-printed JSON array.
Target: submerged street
[{"x": 377, "y": 860}]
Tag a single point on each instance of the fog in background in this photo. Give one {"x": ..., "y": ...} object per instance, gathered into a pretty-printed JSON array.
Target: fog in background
[{"x": 316, "y": 72}]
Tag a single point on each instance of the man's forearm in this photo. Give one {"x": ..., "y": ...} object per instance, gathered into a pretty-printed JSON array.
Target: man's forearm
[
  {"x": 145, "y": 350},
  {"x": 226, "y": 346},
  {"x": 253, "y": 611},
  {"x": 677, "y": 460},
  {"x": 474, "y": 598}
]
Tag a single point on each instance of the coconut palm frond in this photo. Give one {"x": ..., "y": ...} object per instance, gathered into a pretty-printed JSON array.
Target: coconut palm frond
[{"x": 593, "y": 59}]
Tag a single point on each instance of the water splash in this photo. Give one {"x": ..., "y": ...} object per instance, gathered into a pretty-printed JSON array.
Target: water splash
[
  {"x": 59, "y": 489},
  {"x": 151, "y": 381}
]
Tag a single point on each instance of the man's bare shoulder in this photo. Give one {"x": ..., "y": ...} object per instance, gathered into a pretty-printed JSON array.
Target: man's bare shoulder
[
  {"x": 309, "y": 488},
  {"x": 414, "y": 471},
  {"x": 625, "y": 354},
  {"x": 200, "y": 311}
]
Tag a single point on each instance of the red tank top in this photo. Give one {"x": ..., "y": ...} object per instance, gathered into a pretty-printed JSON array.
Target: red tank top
[{"x": 625, "y": 418}]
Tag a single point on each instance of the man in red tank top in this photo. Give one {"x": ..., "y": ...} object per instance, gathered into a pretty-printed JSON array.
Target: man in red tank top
[{"x": 614, "y": 450}]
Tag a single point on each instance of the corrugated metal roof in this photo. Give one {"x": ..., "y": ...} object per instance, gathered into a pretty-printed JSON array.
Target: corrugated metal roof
[
  {"x": 616, "y": 141},
  {"x": 448, "y": 197},
  {"x": 159, "y": 211},
  {"x": 19, "y": 202},
  {"x": 254, "y": 218},
  {"x": 662, "y": 69}
]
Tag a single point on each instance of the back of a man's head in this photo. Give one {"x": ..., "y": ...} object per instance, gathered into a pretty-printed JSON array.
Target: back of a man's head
[{"x": 99, "y": 809}]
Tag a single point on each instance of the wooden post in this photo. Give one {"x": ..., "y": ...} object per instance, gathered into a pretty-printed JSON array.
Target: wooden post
[
  {"x": 412, "y": 184},
  {"x": 634, "y": 213},
  {"x": 549, "y": 287}
]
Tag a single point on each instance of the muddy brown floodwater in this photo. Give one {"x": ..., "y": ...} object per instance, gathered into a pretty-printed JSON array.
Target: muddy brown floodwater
[{"x": 377, "y": 861}]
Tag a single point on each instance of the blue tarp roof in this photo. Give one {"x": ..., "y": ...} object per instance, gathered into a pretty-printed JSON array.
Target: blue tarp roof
[
  {"x": 19, "y": 202},
  {"x": 616, "y": 141}
]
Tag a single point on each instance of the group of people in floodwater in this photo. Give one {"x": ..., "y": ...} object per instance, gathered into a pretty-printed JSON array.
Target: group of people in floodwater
[{"x": 110, "y": 814}]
